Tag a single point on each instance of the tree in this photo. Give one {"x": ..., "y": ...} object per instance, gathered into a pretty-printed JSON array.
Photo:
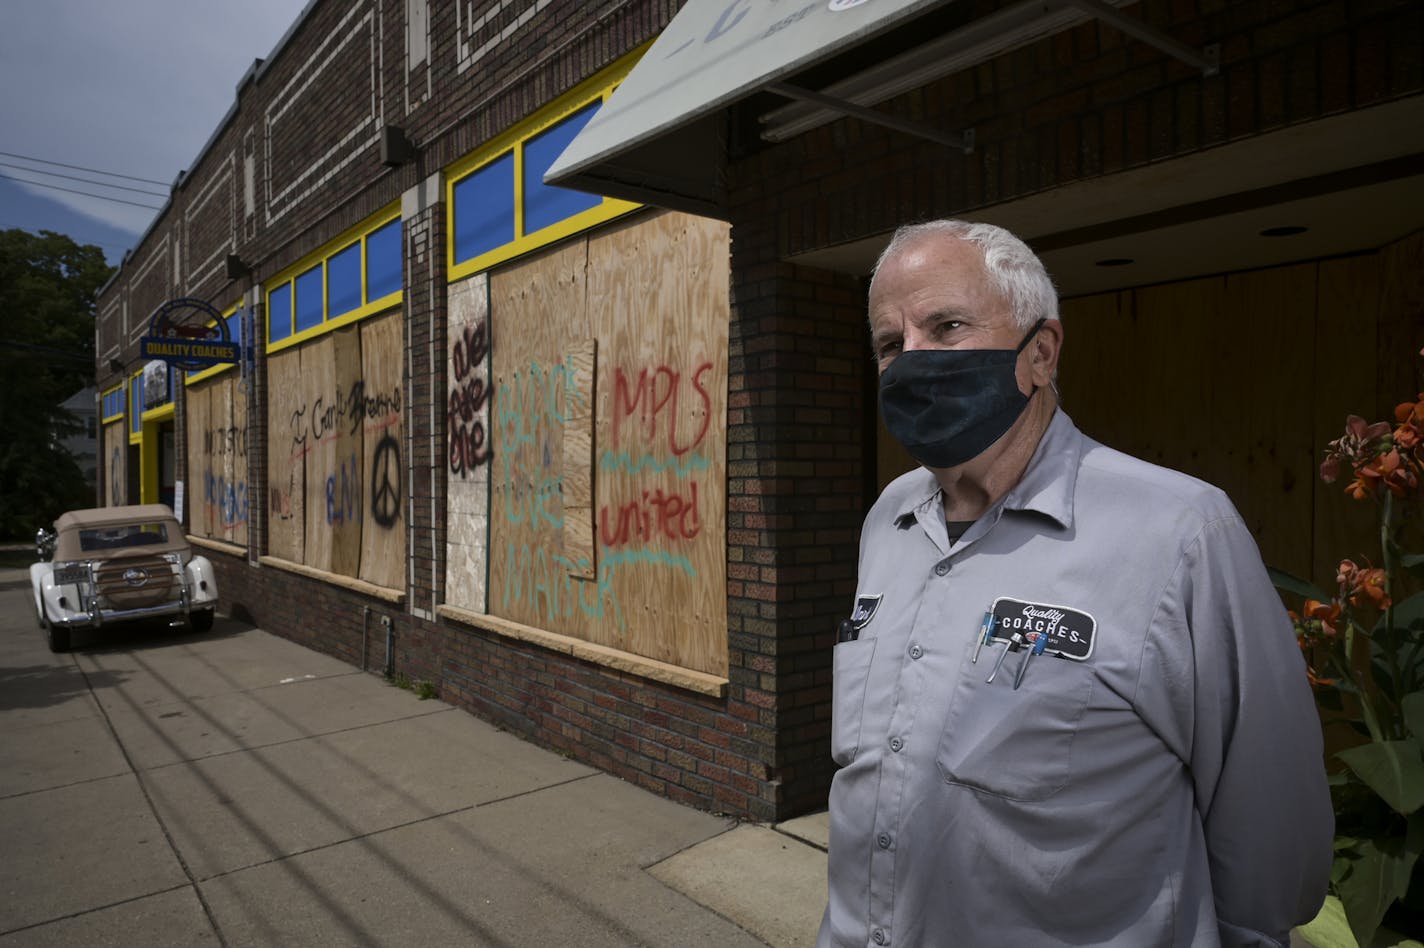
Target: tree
[{"x": 48, "y": 287}]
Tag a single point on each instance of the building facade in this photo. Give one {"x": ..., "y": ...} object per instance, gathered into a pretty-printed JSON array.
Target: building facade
[{"x": 592, "y": 460}]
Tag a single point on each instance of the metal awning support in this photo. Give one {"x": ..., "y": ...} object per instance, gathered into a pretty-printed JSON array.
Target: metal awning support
[
  {"x": 964, "y": 141},
  {"x": 1207, "y": 59}
]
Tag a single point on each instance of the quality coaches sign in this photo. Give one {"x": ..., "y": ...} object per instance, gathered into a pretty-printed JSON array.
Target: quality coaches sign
[{"x": 189, "y": 333}]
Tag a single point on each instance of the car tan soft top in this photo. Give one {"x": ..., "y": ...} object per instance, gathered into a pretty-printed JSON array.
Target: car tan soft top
[{"x": 67, "y": 546}]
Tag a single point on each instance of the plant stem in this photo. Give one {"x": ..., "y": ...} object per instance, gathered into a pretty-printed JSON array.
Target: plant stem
[{"x": 1391, "y": 643}]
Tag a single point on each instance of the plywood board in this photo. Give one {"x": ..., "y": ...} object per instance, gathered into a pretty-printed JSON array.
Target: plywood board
[
  {"x": 469, "y": 444},
  {"x": 536, "y": 306},
  {"x": 115, "y": 461},
  {"x": 1269, "y": 311},
  {"x": 1345, "y": 340},
  {"x": 331, "y": 372},
  {"x": 197, "y": 402},
  {"x": 235, "y": 466},
  {"x": 579, "y": 548},
  {"x": 224, "y": 508},
  {"x": 658, "y": 304},
  {"x": 288, "y": 443},
  {"x": 1401, "y": 321},
  {"x": 1089, "y": 376},
  {"x": 383, "y": 522}
]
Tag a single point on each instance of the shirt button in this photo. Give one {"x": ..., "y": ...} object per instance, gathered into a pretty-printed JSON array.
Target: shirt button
[
  {"x": 942, "y": 568},
  {"x": 884, "y": 840},
  {"x": 880, "y": 938},
  {"x": 896, "y": 744},
  {"x": 916, "y": 651}
]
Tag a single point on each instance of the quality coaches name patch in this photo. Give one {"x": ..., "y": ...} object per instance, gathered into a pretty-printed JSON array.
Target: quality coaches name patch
[{"x": 1069, "y": 631}]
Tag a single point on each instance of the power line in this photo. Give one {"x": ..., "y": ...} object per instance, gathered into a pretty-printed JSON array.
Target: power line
[
  {"x": 109, "y": 174},
  {"x": 71, "y": 177},
  {"x": 41, "y": 184}
]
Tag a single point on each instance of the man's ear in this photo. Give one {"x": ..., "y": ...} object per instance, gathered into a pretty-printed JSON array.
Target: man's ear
[{"x": 1046, "y": 346}]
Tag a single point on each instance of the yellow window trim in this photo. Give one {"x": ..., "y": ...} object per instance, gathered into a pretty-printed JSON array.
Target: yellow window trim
[
  {"x": 318, "y": 258},
  {"x": 103, "y": 396},
  {"x": 161, "y": 413},
  {"x": 595, "y": 89},
  {"x": 191, "y": 378}
]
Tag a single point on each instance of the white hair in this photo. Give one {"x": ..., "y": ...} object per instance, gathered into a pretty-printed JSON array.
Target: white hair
[{"x": 1013, "y": 268}]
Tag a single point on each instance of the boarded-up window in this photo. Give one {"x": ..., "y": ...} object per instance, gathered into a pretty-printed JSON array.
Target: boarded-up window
[
  {"x": 115, "y": 456},
  {"x": 217, "y": 459},
  {"x": 600, "y": 455},
  {"x": 336, "y": 479}
]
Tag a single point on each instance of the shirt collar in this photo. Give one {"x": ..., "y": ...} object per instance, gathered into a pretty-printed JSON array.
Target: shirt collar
[{"x": 1047, "y": 485}]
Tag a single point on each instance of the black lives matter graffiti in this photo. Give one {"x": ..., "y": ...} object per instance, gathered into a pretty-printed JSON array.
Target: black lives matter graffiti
[{"x": 469, "y": 393}]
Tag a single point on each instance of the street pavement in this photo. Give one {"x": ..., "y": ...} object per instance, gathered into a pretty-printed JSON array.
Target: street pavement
[{"x": 163, "y": 788}]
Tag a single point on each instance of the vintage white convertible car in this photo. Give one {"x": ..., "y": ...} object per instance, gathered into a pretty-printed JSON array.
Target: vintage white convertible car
[{"x": 117, "y": 564}]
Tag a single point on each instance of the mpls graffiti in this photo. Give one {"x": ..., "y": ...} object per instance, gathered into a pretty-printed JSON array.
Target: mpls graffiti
[
  {"x": 654, "y": 397},
  {"x": 636, "y": 528},
  {"x": 469, "y": 394},
  {"x": 226, "y": 500}
]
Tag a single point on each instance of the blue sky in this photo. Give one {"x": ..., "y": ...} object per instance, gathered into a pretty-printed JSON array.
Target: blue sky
[{"x": 134, "y": 88}]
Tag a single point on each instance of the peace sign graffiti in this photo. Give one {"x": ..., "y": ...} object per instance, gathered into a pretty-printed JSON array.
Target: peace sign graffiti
[{"x": 386, "y": 482}]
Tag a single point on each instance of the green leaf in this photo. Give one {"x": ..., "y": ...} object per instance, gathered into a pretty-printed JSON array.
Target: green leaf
[
  {"x": 1411, "y": 560},
  {"x": 1393, "y": 769},
  {"x": 1294, "y": 584},
  {"x": 1329, "y": 928},
  {"x": 1376, "y": 879},
  {"x": 1407, "y": 614},
  {"x": 1413, "y": 706}
]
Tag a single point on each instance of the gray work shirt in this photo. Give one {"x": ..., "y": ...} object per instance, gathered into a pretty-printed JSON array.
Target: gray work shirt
[{"x": 1168, "y": 789}]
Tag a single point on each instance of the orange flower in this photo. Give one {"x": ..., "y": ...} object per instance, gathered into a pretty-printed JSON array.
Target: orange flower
[
  {"x": 1321, "y": 617},
  {"x": 1369, "y": 589}
]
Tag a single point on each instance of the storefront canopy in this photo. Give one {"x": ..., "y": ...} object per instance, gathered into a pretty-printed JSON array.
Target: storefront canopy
[{"x": 658, "y": 139}]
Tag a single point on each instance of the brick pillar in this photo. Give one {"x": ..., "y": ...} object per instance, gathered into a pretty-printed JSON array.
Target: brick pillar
[
  {"x": 795, "y": 493},
  {"x": 423, "y": 216}
]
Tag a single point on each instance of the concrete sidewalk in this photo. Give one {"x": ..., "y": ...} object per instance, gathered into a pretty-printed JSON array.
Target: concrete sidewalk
[{"x": 162, "y": 788}]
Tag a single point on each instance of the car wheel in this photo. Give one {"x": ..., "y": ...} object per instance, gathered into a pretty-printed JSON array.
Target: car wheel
[
  {"x": 202, "y": 621},
  {"x": 58, "y": 638}
]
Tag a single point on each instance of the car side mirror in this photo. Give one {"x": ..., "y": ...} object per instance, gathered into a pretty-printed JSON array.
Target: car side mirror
[{"x": 44, "y": 543}]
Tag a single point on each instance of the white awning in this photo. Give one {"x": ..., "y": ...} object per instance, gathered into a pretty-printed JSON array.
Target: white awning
[{"x": 713, "y": 53}]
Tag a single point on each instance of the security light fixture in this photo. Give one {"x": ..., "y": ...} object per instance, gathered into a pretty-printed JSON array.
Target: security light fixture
[
  {"x": 396, "y": 148},
  {"x": 236, "y": 267}
]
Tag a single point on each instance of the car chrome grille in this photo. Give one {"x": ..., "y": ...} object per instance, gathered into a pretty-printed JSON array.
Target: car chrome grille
[{"x": 136, "y": 583}]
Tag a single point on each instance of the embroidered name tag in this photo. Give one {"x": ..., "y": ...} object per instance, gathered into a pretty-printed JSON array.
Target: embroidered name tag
[
  {"x": 1069, "y": 631},
  {"x": 865, "y": 607}
]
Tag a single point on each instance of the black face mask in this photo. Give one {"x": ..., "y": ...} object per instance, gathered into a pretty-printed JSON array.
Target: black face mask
[{"x": 947, "y": 406}]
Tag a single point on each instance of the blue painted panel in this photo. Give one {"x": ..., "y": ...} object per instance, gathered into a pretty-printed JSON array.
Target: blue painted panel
[
  {"x": 383, "y": 261},
  {"x": 279, "y": 313},
  {"x": 484, "y": 209},
  {"x": 545, "y": 205},
  {"x": 343, "y": 281},
  {"x": 135, "y": 405},
  {"x": 308, "y": 304}
]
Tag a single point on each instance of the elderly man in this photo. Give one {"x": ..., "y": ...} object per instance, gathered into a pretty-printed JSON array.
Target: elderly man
[{"x": 1069, "y": 709}]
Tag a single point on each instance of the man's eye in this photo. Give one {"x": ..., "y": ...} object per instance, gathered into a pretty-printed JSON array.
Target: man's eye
[
  {"x": 949, "y": 325},
  {"x": 888, "y": 348}
]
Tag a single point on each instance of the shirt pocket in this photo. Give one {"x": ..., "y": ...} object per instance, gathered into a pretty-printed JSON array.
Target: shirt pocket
[
  {"x": 850, "y": 671},
  {"x": 1016, "y": 744}
]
